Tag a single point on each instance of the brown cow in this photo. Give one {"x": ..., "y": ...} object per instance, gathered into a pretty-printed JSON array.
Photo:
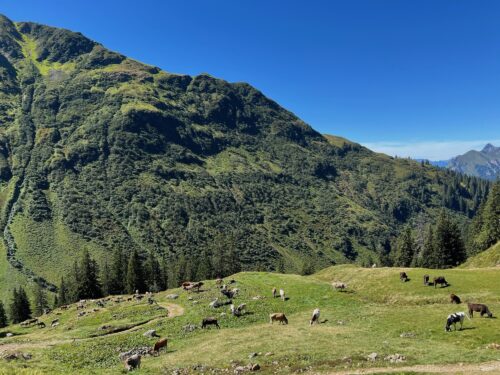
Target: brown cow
[
  {"x": 278, "y": 317},
  {"x": 162, "y": 343},
  {"x": 209, "y": 321},
  {"x": 274, "y": 292},
  {"x": 455, "y": 299},
  {"x": 440, "y": 280},
  {"x": 480, "y": 308},
  {"x": 403, "y": 276}
]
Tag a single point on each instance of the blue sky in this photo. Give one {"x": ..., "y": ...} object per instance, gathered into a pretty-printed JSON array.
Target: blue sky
[{"x": 413, "y": 78}]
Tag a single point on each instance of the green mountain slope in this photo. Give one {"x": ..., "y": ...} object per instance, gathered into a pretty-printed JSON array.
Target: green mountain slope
[
  {"x": 484, "y": 163},
  {"x": 100, "y": 152},
  {"x": 487, "y": 258}
]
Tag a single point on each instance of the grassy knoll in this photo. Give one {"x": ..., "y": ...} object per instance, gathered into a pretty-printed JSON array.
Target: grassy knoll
[
  {"x": 487, "y": 258},
  {"x": 369, "y": 318}
]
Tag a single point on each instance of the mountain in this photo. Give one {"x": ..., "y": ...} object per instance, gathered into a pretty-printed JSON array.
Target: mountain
[
  {"x": 484, "y": 163},
  {"x": 102, "y": 153}
]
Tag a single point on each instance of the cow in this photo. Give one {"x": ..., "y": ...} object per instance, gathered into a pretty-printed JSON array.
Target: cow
[
  {"x": 480, "y": 308},
  {"x": 426, "y": 280},
  {"x": 219, "y": 281},
  {"x": 278, "y": 317},
  {"x": 453, "y": 319},
  {"x": 440, "y": 280},
  {"x": 209, "y": 321},
  {"x": 315, "y": 317},
  {"x": 274, "y": 292},
  {"x": 29, "y": 322},
  {"x": 403, "y": 276},
  {"x": 133, "y": 362},
  {"x": 40, "y": 324},
  {"x": 455, "y": 299},
  {"x": 238, "y": 311},
  {"x": 282, "y": 294},
  {"x": 162, "y": 343},
  {"x": 54, "y": 323}
]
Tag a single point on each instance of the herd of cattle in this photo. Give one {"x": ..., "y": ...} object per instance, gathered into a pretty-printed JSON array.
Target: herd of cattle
[
  {"x": 133, "y": 360},
  {"x": 457, "y": 317}
]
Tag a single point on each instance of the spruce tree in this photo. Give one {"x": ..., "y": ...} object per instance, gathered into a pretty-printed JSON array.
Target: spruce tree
[
  {"x": 63, "y": 294},
  {"x": 105, "y": 279},
  {"x": 428, "y": 257},
  {"x": 118, "y": 273},
  {"x": 20, "y": 306},
  {"x": 40, "y": 302},
  {"x": 449, "y": 246},
  {"x": 135, "y": 278},
  {"x": 3, "y": 316},
  {"x": 88, "y": 286},
  {"x": 152, "y": 273},
  {"x": 405, "y": 249}
]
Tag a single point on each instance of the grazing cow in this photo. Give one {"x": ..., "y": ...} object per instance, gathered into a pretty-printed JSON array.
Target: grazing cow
[
  {"x": 480, "y": 308},
  {"x": 454, "y": 319},
  {"x": 278, "y": 317},
  {"x": 403, "y": 276},
  {"x": 64, "y": 307},
  {"x": 315, "y": 317},
  {"x": 238, "y": 311},
  {"x": 426, "y": 280},
  {"x": 219, "y": 281},
  {"x": 440, "y": 280},
  {"x": 40, "y": 324},
  {"x": 29, "y": 322},
  {"x": 209, "y": 321},
  {"x": 54, "y": 323},
  {"x": 274, "y": 292},
  {"x": 133, "y": 362},
  {"x": 230, "y": 293},
  {"x": 455, "y": 299},
  {"x": 339, "y": 285},
  {"x": 282, "y": 294},
  {"x": 159, "y": 344}
]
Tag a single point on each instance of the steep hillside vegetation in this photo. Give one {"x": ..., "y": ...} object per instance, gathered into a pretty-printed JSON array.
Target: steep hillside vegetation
[
  {"x": 355, "y": 323},
  {"x": 99, "y": 152},
  {"x": 488, "y": 258}
]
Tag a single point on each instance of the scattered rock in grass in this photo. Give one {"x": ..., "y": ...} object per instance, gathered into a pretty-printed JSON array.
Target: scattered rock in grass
[
  {"x": 341, "y": 322},
  {"x": 189, "y": 328},
  {"x": 195, "y": 302},
  {"x": 190, "y": 298},
  {"x": 256, "y": 298},
  {"x": 105, "y": 327},
  {"x": 408, "y": 335},
  {"x": 222, "y": 314},
  {"x": 240, "y": 369},
  {"x": 372, "y": 357},
  {"x": 173, "y": 296},
  {"x": 142, "y": 350},
  {"x": 347, "y": 359},
  {"x": 254, "y": 367},
  {"x": 150, "y": 333},
  {"x": 493, "y": 345},
  {"x": 395, "y": 358},
  {"x": 17, "y": 355},
  {"x": 252, "y": 355},
  {"x": 9, "y": 334},
  {"x": 269, "y": 354}
]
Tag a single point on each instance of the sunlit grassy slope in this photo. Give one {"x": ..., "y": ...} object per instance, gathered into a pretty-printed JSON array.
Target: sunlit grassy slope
[
  {"x": 369, "y": 317},
  {"x": 488, "y": 258}
]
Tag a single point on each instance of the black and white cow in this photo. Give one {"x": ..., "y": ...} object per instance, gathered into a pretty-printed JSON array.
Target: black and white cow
[{"x": 455, "y": 318}]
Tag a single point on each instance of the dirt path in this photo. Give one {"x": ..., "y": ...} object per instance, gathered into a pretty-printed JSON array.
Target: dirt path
[
  {"x": 174, "y": 310},
  {"x": 468, "y": 368}
]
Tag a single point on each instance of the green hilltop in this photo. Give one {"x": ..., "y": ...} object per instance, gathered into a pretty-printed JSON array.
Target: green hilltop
[{"x": 99, "y": 153}]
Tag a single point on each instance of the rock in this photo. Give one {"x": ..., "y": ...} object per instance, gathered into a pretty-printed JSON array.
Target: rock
[
  {"x": 493, "y": 345},
  {"x": 173, "y": 296},
  {"x": 105, "y": 327},
  {"x": 222, "y": 314},
  {"x": 150, "y": 333},
  {"x": 372, "y": 357},
  {"x": 9, "y": 334},
  {"x": 189, "y": 328},
  {"x": 341, "y": 322},
  {"x": 269, "y": 353},
  {"x": 26, "y": 356},
  {"x": 195, "y": 302},
  {"x": 252, "y": 355},
  {"x": 190, "y": 298},
  {"x": 395, "y": 358},
  {"x": 142, "y": 350},
  {"x": 240, "y": 369}
]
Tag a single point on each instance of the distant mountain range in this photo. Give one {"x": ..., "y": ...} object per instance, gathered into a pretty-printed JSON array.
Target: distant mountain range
[{"x": 484, "y": 163}]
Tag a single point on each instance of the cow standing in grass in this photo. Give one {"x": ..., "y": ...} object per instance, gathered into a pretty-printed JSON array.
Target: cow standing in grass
[
  {"x": 282, "y": 294},
  {"x": 159, "y": 345},
  {"x": 453, "y": 319},
  {"x": 274, "y": 292},
  {"x": 455, "y": 299},
  {"x": 315, "y": 317},
  {"x": 133, "y": 362},
  {"x": 278, "y": 317},
  {"x": 403, "y": 277},
  {"x": 480, "y": 308},
  {"x": 440, "y": 280}
]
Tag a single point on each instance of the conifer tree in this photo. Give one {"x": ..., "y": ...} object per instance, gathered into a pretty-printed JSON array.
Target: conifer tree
[
  {"x": 88, "y": 286},
  {"x": 428, "y": 256},
  {"x": 449, "y": 246},
  {"x": 405, "y": 249},
  {"x": 40, "y": 301},
  {"x": 63, "y": 294},
  {"x": 20, "y": 309},
  {"x": 105, "y": 279},
  {"x": 152, "y": 273},
  {"x": 3, "y": 316},
  {"x": 135, "y": 278},
  {"x": 118, "y": 272}
]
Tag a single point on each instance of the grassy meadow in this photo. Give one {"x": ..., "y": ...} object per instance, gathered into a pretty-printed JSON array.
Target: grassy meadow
[{"x": 370, "y": 316}]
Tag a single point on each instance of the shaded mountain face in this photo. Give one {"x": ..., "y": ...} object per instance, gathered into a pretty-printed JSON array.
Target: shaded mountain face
[
  {"x": 484, "y": 163},
  {"x": 101, "y": 152}
]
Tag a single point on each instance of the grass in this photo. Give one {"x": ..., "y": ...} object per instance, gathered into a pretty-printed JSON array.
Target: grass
[
  {"x": 488, "y": 258},
  {"x": 369, "y": 318}
]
